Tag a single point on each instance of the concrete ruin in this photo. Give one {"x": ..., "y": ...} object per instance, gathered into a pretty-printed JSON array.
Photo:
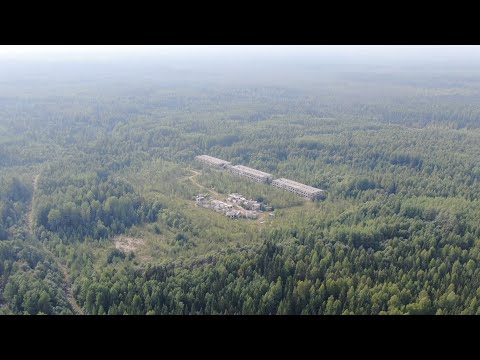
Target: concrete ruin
[
  {"x": 306, "y": 191},
  {"x": 233, "y": 207},
  {"x": 212, "y": 161},
  {"x": 299, "y": 189}
]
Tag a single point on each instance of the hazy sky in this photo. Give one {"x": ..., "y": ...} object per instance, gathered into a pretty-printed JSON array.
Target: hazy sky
[{"x": 354, "y": 53}]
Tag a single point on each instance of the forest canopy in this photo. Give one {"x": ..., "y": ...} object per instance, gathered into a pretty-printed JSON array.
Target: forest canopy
[{"x": 98, "y": 183}]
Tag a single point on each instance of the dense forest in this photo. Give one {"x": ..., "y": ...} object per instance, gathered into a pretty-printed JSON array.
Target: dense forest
[{"x": 97, "y": 186}]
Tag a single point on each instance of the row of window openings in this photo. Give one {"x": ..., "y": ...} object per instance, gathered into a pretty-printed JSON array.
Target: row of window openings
[{"x": 292, "y": 190}]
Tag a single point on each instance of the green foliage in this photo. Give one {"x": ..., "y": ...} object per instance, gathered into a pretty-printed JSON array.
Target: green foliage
[
  {"x": 115, "y": 254},
  {"x": 15, "y": 195},
  {"x": 30, "y": 282},
  {"x": 76, "y": 206},
  {"x": 397, "y": 234}
]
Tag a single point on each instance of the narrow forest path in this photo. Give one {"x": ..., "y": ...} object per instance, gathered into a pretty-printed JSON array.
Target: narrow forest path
[
  {"x": 194, "y": 181},
  {"x": 66, "y": 278},
  {"x": 30, "y": 210},
  {"x": 68, "y": 288},
  {"x": 263, "y": 217}
]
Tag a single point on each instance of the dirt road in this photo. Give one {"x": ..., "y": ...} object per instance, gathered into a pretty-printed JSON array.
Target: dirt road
[
  {"x": 30, "y": 210},
  {"x": 194, "y": 181},
  {"x": 263, "y": 216},
  {"x": 67, "y": 282}
]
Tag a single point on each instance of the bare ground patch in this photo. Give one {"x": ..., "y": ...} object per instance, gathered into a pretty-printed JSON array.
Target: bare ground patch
[{"x": 127, "y": 244}]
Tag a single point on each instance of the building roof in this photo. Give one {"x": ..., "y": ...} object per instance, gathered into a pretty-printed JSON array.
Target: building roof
[
  {"x": 297, "y": 185},
  {"x": 212, "y": 159},
  {"x": 251, "y": 171}
]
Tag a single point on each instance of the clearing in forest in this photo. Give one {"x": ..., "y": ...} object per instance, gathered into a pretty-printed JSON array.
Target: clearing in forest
[{"x": 127, "y": 244}]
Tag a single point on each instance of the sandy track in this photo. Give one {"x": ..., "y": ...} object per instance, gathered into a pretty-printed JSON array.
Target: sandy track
[{"x": 67, "y": 282}]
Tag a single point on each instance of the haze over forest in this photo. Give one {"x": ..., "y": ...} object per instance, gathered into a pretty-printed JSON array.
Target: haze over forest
[{"x": 105, "y": 208}]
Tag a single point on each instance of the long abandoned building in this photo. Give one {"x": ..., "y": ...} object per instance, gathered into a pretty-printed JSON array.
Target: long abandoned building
[
  {"x": 308, "y": 192},
  {"x": 250, "y": 173},
  {"x": 212, "y": 161},
  {"x": 297, "y": 188}
]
